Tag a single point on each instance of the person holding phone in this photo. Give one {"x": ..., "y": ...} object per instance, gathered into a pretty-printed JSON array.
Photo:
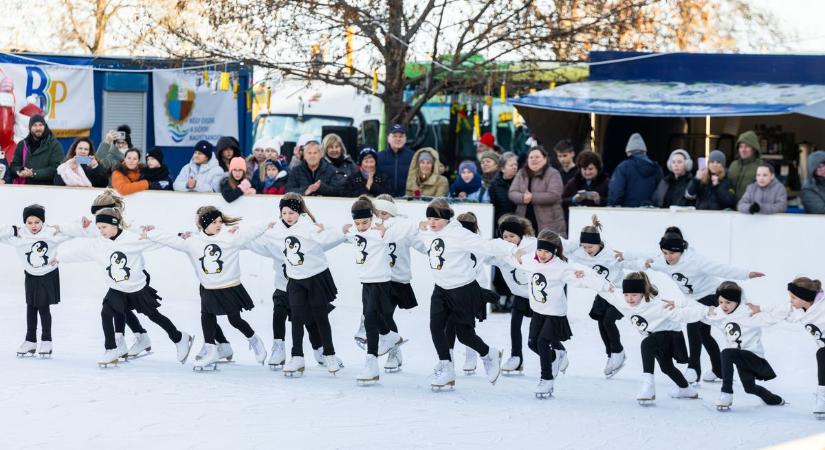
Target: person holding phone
[
  {"x": 588, "y": 187},
  {"x": 81, "y": 168},
  {"x": 710, "y": 189},
  {"x": 114, "y": 146}
]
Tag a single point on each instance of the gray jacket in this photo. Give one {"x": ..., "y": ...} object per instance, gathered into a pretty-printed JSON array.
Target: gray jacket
[
  {"x": 772, "y": 198},
  {"x": 207, "y": 176},
  {"x": 813, "y": 191}
]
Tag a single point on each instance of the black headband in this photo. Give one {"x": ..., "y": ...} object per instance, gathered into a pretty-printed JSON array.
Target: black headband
[
  {"x": 513, "y": 227},
  {"x": 470, "y": 225},
  {"x": 547, "y": 245},
  {"x": 105, "y": 218},
  {"x": 673, "y": 244},
  {"x": 433, "y": 213},
  {"x": 733, "y": 295},
  {"x": 292, "y": 203},
  {"x": 208, "y": 217},
  {"x": 35, "y": 211},
  {"x": 804, "y": 294},
  {"x": 633, "y": 286},
  {"x": 590, "y": 238},
  {"x": 96, "y": 208},
  {"x": 361, "y": 214}
]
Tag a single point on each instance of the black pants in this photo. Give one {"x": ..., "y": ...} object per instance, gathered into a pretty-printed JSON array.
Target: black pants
[
  {"x": 659, "y": 347},
  {"x": 516, "y": 319},
  {"x": 305, "y": 316},
  {"x": 45, "y": 323},
  {"x": 610, "y": 336},
  {"x": 279, "y": 316},
  {"x": 455, "y": 307},
  {"x": 444, "y": 339},
  {"x": 699, "y": 336},
  {"x": 541, "y": 342},
  {"x": 209, "y": 323},
  {"x": 167, "y": 325},
  {"x": 107, "y": 317},
  {"x": 128, "y": 318},
  {"x": 820, "y": 366},
  {"x": 737, "y": 357}
]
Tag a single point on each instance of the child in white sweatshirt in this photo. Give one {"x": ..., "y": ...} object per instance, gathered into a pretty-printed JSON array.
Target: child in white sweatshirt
[{"x": 806, "y": 301}]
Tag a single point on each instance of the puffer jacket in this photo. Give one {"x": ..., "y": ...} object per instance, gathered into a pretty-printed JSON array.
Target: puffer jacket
[
  {"x": 671, "y": 191},
  {"x": 208, "y": 176},
  {"x": 772, "y": 198},
  {"x": 813, "y": 191},
  {"x": 634, "y": 182},
  {"x": 547, "y": 190},
  {"x": 433, "y": 186}
]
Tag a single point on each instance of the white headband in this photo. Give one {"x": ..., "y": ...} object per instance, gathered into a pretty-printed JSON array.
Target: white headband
[{"x": 385, "y": 206}]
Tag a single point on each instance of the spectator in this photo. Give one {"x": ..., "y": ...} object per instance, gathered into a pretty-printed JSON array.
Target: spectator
[
  {"x": 537, "y": 190},
  {"x": 742, "y": 172},
  {"x": 256, "y": 160},
  {"x": 126, "y": 176},
  {"x": 110, "y": 152},
  {"x": 367, "y": 181},
  {"x": 336, "y": 154},
  {"x": 202, "y": 174},
  {"x": 636, "y": 178},
  {"x": 396, "y": 161},
  {"x": 489, "y": 171},
  {"x": 275, "y": 178},
  {"x": 314, "y": 176},
  {"x": 227, "y": 149},
  {"x": 499, "y": 191},
  {"x": 425, "y": 179},
  {"x": 813, "y": 191},
  {"x": 298, "y": 151},
  {"x": 467, "y": 185},
  {"x": 81, "y": 168},
  {"x": 5, "y": 173},
  {"x": 567, "y": 155},
  {"x": 155, "y": 172},
  {"x": 589, "y": 186},
  {"x": 766, "y": 195},
  {"x": 671, "y": 190},
  {"x": 710, "y": 189},
  {"x": 236, "y": 184},
  {"x": 486, "y": 143},
  {"x": 37, "y": 156}
]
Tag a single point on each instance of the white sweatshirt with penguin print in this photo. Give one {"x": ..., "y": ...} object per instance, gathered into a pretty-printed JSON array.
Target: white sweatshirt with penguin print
[
  {"x": 651, "y": 316},
  {"x": 304, "y": 244},
  {"x": 399, "y": 248},
  {"x": 603, "y": 263},
  {"x": 812, "y": 319},
  {"x": 518, "y": 280},
  {"x": 742, "y": 329},
  {"x": 34, "y": 250},
  {"x": 549, "y": 282},
  {"x": 696, "y": 275}
]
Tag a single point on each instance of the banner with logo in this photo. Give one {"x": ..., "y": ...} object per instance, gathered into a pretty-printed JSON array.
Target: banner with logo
[
  {"x": 186, "y": 112},
  {"x": 64, "y": 95}
]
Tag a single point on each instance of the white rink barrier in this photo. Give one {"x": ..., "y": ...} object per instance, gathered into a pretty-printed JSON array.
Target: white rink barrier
[
  {"x": 170, "y": 270},
  {"x": 783, "y": 246}
]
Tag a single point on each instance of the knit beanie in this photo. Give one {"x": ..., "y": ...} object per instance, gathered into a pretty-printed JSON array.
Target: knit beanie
[
  {"x": 635, "y": 144},
  {"x": 425, "y": 156},
  {"x": 206, "y": 148},
  {"x": 127, "y": 130},
  {"x": 750, "y": 138},
  {"x": 490, "y": 154},
  {"x": 718, "y": 156},
  {"x": 237, "y": 163},
  {"x": 469, "y": 165},
  {"x": 156, "y": 153},
  {"x": 488, "y": 139}
]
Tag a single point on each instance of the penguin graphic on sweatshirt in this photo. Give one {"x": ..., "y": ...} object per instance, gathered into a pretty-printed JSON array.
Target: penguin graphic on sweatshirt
[
  {"x": 393, "y": 256},
  {"x": 537, "y": 288},
  {"x": 362, "y": 247},
  {"x": 639, "y": 322},
  {"x": 117, "y": 269},
  {"x": 435, "y": 252},
  {"x": 474, "y": 260},
  {"x": 733, "y": 332},
  {"x": 816, "y": 333},
  {"x": 602, "y": 270},
  {"x": 36, "y": 257},
  {"x": 515, "y": 278},
  {"x": 211, "y": 260},
  {"x": 683, "y": 282},
  {"x": 292, "y": 251},
  {"x": 283, "y": 269}
]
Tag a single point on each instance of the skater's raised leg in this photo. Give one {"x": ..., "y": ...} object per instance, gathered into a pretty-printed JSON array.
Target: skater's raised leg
[{"x": 735, "y": 357}]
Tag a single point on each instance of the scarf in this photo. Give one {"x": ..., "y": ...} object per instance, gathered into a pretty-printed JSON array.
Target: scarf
[
  {"x": 459, "y": 185},
  {"x": 159, "y": 174}
]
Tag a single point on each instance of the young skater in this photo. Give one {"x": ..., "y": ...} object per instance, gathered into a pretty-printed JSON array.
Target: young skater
[
  {"x": 119, "y": 251},
  {"x": 373, "y": 262},
  {"x": 214, "y": 254},
  {"x": 456, "y": 293},
  {"x": 742, "y": 328},
  {"x": 697, "y": 277},
  {"x": 310, "y": 288},
  {"x": 519, "y": 232},
  {"x": 550, "y": 276},
  {"x": 806, "y": 303},
  {"x": 42, "y": 280},
  {"x": 660, "y": 321}
]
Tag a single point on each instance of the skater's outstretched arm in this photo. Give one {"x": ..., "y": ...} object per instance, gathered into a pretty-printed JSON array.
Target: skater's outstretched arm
[{"x": 173, "y": 241}]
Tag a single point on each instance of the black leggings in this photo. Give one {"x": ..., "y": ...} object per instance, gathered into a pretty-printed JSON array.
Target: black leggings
[
  {"x": 209, "y": 323},
  {"x": 659, "y": 347},
  {"x": 167, "y": 325},
  {"x": 128, "y": 318},
  {"x": 737, "y": 357},
  {"x": 699, "y": 336},
  {"x": 307, "y": 316},
  {"x": 516, "y": 319},
  {"x": 107, "y": 317},
  {"x": 820, "y": 366},
  {"x": 279, "y": 316},
  {"x": 540, "y": 341},
  {"x": 610, "y": 335},
  {"x": 448, "y": 331},
  {"x": 45, "y": 323}
]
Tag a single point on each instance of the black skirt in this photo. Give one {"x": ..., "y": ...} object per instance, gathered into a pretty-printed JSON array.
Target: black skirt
[
  {"x": 318, "y": 290},
  {"x": 403, "y": 295},
  {"x": 226, "y": 301},
  {"x": 42, "y": 290},
  {"x": 377, "y": 297},
  {"x": 675, "y": 341},
  {"x": 522, "y": 305},
  {"x": 602, "y": 309},
  {"x": 709, "y": 300},
  {"x": 559, "y": 327},
  {"x": 143, "y": 301},
  {"x": 753, "y": 363},
  {"x": 459, "y": 304}
]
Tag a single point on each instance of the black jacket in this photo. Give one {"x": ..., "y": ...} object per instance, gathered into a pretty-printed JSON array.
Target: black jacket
[
  {"x": 499, "y": 197},
  {"x": 344, "y": 168},
  {"x": 159, "y": 179},
  {"x": 710, "y": 197},
  {"x": 356, "y": 185},
  {"x": 671, "y": 191},
  {"x": 599, "y": 184},
  {"x": 300, "y": 177}
]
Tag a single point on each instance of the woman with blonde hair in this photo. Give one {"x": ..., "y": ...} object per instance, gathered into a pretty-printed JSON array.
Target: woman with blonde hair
[
  {"x": 335, "y": 153},
  {"x": 425, "y": 179}
]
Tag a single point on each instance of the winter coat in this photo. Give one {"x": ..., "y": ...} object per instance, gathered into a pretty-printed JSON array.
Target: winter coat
[
  {"x": 207, "y": 176},
  {"x": 109, "y": 155},
  {"x": 396, "y": 166},
  {"x": 546, "y": 189},
  {"x": 569, "y": 175},
  {"x": 671, "y": 191},
  {"x": 128, "y": 181},
  {"x": 356, "y": 185},
  {"x": 710, "y": 197},
  {"x": 578, "y": 183},
  {"x": 742, "y": 173},
  {"x": 300, "y": 177},
  {"x": 159, "y": 179},
  {"x": 81, "y": 176},
  {"x": 499, "y": 193},
  {"x": 434, "y": 186},
  {"x": 772, "y": 198},
  {"x": 43, "y": 160},
  {"x": 813, "y": 191},
  {"x": 344, "y": 168},
  {"x": 229, "y": 193},
  {"x": 634, "y": 182}
]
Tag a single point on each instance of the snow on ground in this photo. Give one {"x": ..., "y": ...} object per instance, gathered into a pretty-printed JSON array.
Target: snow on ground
[{"x": 154, "y": 402}]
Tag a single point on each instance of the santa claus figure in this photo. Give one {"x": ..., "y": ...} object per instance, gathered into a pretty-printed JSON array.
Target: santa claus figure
[{"x": 7, "y": 142}]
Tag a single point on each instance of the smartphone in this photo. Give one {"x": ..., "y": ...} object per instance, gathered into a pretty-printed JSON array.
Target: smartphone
[
  {"x": 703, "y": 163},
  {"x": 83, "y": 160},
  {"x": 121, "y": 135}
]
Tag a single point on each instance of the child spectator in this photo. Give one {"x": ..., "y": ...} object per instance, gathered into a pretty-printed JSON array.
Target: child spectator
[{"x": 468, "y": 184}]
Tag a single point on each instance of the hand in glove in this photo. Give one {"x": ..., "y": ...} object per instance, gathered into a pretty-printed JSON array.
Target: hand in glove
[{"x": 754, "y": 208}]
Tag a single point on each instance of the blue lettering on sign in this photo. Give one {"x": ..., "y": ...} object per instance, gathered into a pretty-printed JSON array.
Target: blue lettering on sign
[{"x": 36, "y": 84}]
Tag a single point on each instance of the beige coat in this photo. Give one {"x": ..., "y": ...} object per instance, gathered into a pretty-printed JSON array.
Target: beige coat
[{"x": 433, "y": 186}]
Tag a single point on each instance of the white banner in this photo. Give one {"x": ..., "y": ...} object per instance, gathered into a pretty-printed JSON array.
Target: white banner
[
  {"x": 64, "y": 95},
  {"x": 185, "y": 113}
]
